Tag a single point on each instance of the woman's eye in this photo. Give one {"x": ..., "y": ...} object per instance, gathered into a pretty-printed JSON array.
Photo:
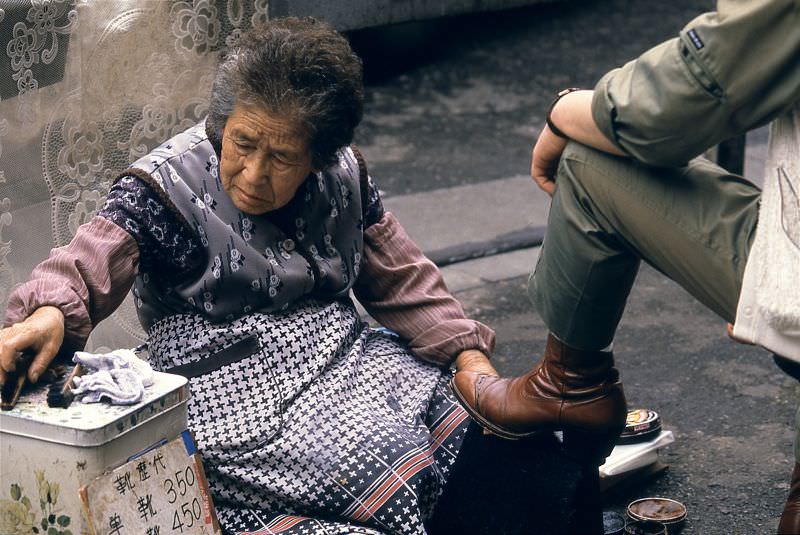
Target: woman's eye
[
  {"x": 242, "y": 146},
  {"x": 282, "y": 160}
]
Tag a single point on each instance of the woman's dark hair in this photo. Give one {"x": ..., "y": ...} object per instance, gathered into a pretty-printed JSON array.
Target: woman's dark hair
[{"x": 300, "y": 69}]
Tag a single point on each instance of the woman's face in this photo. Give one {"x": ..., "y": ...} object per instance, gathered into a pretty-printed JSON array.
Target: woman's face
[{"x": 265, "y": 158}]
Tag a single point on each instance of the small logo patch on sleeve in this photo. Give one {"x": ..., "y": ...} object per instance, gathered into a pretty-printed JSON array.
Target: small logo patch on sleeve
[{"x": 696, "y": 41}]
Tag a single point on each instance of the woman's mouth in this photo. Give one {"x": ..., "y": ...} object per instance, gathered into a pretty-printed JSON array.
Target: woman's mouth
[{"x": 250, "y": 198}]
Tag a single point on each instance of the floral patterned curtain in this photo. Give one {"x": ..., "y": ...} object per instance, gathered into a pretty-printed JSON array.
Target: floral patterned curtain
[{"x": 87, "y": 86}]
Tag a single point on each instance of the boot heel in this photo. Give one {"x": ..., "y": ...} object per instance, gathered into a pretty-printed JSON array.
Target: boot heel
[{"x": 588, "y": 447}]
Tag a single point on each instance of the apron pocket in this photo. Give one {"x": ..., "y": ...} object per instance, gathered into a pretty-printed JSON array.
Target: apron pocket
[{"x": 237, "y": 406}]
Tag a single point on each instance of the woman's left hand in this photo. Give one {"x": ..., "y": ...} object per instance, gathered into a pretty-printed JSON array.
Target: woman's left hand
[{"x": 473, "y": 360}]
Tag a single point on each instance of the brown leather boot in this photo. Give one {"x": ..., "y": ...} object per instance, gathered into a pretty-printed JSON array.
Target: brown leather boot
[
  {"x": 576, "y": 391},
  {"x": 790, "y": 519}
]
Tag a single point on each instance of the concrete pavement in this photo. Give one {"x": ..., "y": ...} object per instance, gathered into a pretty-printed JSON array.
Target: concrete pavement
[{"x": 474, "y": 213}]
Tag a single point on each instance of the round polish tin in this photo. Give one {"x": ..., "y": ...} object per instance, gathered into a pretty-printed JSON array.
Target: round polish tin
[
  {"x": 671, "y": 513},
  {"x": 640, "y": 425}
]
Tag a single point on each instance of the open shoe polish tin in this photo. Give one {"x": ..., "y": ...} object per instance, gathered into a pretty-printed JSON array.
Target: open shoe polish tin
[
  {"x": 669, "y": 512},
  {"x": 640, "y": 425}
]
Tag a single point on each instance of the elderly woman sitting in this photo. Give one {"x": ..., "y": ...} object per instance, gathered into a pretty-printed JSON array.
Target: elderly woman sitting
[{"x": 242, "y": 238}]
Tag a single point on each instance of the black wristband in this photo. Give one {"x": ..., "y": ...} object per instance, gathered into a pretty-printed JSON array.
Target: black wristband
[{"x": 561, "y": 94}]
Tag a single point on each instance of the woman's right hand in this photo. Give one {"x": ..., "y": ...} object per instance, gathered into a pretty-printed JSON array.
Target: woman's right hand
[
  {"x": 42, "y": 333},
  {"x": 473, "y": 360}
]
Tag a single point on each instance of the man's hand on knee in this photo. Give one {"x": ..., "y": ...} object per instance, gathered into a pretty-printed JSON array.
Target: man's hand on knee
[{"x": 545, "y": 156}]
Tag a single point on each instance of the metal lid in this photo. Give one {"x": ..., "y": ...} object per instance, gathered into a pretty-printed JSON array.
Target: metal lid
[
  {"x": 91, "y": 424},
  {"x": 664, "y": 510}
]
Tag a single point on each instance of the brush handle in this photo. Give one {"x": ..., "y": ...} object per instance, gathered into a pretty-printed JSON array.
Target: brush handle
[
  {"x": 12, "y": 393},
  {"x": 76, "y": 372},
  {"x": 15, "y": 381}
]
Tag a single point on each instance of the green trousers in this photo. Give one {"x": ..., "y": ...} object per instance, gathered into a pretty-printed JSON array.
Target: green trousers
[{"x": 695, "y": 224}]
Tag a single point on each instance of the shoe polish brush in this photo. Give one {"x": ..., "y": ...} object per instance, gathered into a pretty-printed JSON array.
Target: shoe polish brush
[
  {"x": 60, "y": 393},
  {"x": 15, "y": 380}
]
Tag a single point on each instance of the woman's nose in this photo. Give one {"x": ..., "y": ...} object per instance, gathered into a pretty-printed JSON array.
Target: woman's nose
[{"x": 256, "y": 169}]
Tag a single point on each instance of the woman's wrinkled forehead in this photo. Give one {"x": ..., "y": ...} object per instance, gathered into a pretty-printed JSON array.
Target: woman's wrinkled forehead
[{"x": 256, "y": 123}]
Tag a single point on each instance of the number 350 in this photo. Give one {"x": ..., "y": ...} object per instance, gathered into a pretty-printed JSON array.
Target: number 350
[{"x": 183, "y": 480}]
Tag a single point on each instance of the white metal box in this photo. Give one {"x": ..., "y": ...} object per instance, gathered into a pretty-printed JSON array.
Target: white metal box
[{"x": 48, "y": 454}]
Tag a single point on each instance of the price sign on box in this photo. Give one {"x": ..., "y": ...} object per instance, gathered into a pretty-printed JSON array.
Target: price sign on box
[{"x": 163, "y": 491}]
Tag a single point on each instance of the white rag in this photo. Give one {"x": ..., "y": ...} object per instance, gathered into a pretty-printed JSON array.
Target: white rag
[{"x": 119, "y": 377}]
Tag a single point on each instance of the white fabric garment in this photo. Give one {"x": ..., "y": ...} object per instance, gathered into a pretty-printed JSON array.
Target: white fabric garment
[{"x": 768, "y": 313}]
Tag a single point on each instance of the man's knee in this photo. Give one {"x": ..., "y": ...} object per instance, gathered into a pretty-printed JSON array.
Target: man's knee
[{"x": 588, "y": 168}]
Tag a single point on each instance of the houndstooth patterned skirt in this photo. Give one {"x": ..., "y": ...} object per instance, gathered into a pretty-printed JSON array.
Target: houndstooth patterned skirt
[{"x": 328, "y": 427}]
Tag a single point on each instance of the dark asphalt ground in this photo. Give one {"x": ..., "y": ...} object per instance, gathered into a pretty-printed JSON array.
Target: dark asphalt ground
[{"x": 460, "y": 101}]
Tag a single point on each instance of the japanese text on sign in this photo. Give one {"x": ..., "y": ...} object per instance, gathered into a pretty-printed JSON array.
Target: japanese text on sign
[{"x": 161, "y": 492}]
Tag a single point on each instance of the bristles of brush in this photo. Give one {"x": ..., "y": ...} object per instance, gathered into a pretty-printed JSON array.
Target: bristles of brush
[{"x": 60, "y": 392}]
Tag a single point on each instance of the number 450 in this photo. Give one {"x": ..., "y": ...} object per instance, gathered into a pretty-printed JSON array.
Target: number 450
[{"x": 188, "y": 516}]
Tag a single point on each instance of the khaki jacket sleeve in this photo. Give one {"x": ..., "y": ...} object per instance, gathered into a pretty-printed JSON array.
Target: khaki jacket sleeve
[{"x": 727, "y": 72}]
